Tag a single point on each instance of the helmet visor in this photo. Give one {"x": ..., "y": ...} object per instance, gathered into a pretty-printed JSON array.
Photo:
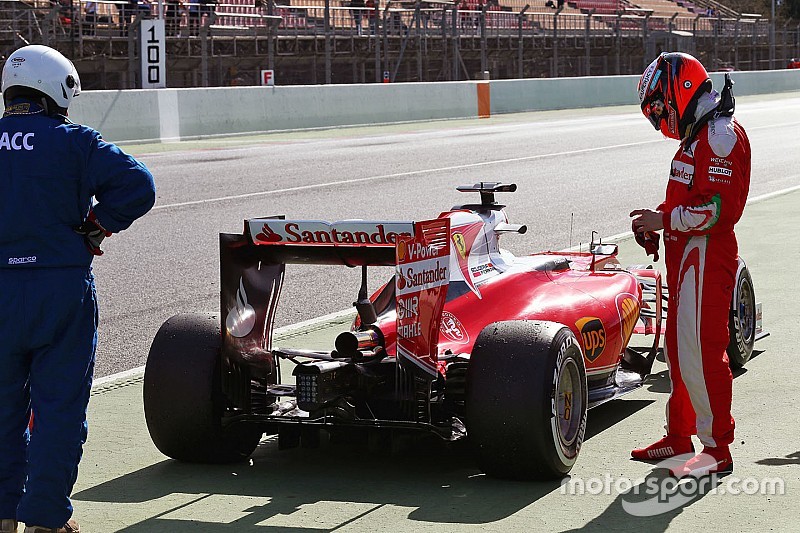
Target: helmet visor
[{"x": 653, "y": 109}]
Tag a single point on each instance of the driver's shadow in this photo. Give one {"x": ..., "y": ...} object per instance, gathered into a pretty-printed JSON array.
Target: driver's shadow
[{"x": 649, "y": 504}]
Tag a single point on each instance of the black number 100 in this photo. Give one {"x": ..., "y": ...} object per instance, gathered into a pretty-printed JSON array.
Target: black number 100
[{"x": 153, "y": 57}]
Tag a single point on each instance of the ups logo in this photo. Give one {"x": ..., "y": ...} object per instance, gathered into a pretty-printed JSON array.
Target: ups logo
[{"x": 594, "y": 336}]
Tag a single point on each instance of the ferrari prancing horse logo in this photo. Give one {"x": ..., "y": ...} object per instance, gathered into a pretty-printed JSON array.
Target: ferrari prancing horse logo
[{"x": 461, "y": 246}]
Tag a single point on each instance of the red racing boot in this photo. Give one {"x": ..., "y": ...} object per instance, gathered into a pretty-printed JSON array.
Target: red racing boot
[
  {"x": 711, "y": 461},
  {"x": 668, "y": 446}
]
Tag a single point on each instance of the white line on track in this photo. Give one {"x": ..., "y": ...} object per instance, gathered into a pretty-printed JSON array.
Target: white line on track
[
  {"x": 400, "y": 175},
  {"x": 420, "y": 172}
]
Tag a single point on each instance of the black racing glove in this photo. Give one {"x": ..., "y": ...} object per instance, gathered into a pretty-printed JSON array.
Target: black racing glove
[
  {"x": 93, "y": 233},
  {"x": 648, "y": 240}
]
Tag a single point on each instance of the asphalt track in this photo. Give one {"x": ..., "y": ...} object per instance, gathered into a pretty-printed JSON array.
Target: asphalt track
[{"x": 167, "y": 264}]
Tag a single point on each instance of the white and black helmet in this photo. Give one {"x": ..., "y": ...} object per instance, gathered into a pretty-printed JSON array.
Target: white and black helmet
[{"x": 43, "y": 69}]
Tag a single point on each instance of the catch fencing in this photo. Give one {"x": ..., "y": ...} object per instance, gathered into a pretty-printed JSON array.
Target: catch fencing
[{"x": 321, "y": 43}]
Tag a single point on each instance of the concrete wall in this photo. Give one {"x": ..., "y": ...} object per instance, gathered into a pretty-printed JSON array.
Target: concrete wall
[{"x": 172, "y": 114}]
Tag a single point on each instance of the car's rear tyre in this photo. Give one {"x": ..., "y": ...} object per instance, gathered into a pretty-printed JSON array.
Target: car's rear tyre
[
  {"x": 526, "y": 400},
  {"x": 183, "y": 402},
  {"x": 742, "y": 319}
]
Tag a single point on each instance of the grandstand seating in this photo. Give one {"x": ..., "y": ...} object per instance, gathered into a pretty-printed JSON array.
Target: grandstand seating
[
  {"x": 666, "y": 8},
  {"x": 601, "y": 7}
]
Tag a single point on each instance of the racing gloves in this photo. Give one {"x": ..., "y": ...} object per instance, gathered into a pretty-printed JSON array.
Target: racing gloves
[
  {"x": 93, "y": 233},
  {"x": 649, "y": 240}
]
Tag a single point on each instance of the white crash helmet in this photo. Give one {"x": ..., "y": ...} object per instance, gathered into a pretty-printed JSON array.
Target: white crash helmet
[{"x": 44, "y": 69}]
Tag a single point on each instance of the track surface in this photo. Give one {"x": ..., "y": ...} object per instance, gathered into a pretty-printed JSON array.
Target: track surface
[{"x": 577, "y": 171}]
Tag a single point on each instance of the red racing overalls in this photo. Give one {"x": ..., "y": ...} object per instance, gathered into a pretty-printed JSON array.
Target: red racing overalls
[{"x": 706, "y": 194}]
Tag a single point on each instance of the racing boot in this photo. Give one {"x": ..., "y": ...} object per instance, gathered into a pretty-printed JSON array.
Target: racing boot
[
  {"x": 70, "y": 527},
  {"x": 668, "y": 446},
  {"x": 8, "y": 525},
  {"x": 711, "y": 461}
]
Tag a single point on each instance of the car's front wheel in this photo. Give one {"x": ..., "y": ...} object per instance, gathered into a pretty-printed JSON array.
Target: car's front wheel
[
  {"x": 526, "y": 399},
  {"x": 183, "y": 401}
]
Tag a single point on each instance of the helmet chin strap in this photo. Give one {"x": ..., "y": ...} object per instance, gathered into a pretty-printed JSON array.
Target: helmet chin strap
[{"x": 711, "y": 105}]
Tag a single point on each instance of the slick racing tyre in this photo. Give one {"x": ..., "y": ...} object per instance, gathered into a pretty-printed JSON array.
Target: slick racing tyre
[
  {"x": 183, "y": 402},
  {"x": 742, "y": 319},
  {"x": 526, "y": 400}
]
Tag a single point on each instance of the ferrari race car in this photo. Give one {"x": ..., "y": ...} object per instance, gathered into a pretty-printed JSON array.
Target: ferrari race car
[{"x": 465, "y": 340}]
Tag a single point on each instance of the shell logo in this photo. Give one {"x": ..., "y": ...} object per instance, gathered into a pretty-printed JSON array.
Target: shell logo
[
  {"x": 629, "y": 313},
  {"x": 401, "y": 251}
]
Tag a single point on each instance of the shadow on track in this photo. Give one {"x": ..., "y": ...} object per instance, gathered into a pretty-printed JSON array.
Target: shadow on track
[{"x": 439, "y": 481}]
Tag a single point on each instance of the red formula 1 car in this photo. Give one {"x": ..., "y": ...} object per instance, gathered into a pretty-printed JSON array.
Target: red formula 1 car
[{"x": 465, "y": 340}]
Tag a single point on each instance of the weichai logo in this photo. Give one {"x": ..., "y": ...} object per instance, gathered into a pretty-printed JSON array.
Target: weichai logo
[{"x": 594, "y": 336}]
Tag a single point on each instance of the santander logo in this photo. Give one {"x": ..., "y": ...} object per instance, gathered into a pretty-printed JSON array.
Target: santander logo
[
  {"x": 267, "y": 235},
  {"x": 315, "y": 232}
]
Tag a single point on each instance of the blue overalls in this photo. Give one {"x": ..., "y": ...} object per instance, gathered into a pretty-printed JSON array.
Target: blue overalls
[{"x": 49, "y": 171}]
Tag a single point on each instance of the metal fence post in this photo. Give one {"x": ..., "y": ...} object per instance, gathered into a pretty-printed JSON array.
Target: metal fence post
[
  {"x": 456, "y": 44},
  {"x": 797, "y": 40},
  {"x": 270, "y": 36},
  {"x": 133, "y": 38},
  {"x": 376, "y": 35},
  {"x": 328, "y": 41},
  {"x": 520, "y": 19},
  {"x": 645, "y": 24},
  {"x": 672, "y": 45},
  {"x": 385, "y": 38},
  {"x": 783, "y": 42},
  {"x": 418, "y": 26},
  {"x": 772, "y": 37},
  {"x": 618, "y": 58},
  {"x": 736, "y": 43},
  {"x": 203, "y": 32},
  {"x": 586, "y": 38},
  {"x": 482, "y": 26},
  {"x": 554, "y": 67},
  {"x": 445, "y": 45},
  {"x": 717, "y": 31}
]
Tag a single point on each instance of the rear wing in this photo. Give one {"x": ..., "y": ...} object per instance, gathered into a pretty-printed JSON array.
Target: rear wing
[
  {"x": 346, "y": 242},
  {"x": 253, "y": 264}
]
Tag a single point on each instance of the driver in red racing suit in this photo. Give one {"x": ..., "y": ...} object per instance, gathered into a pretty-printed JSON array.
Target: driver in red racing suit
[{"x": 707, "y": 190}]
